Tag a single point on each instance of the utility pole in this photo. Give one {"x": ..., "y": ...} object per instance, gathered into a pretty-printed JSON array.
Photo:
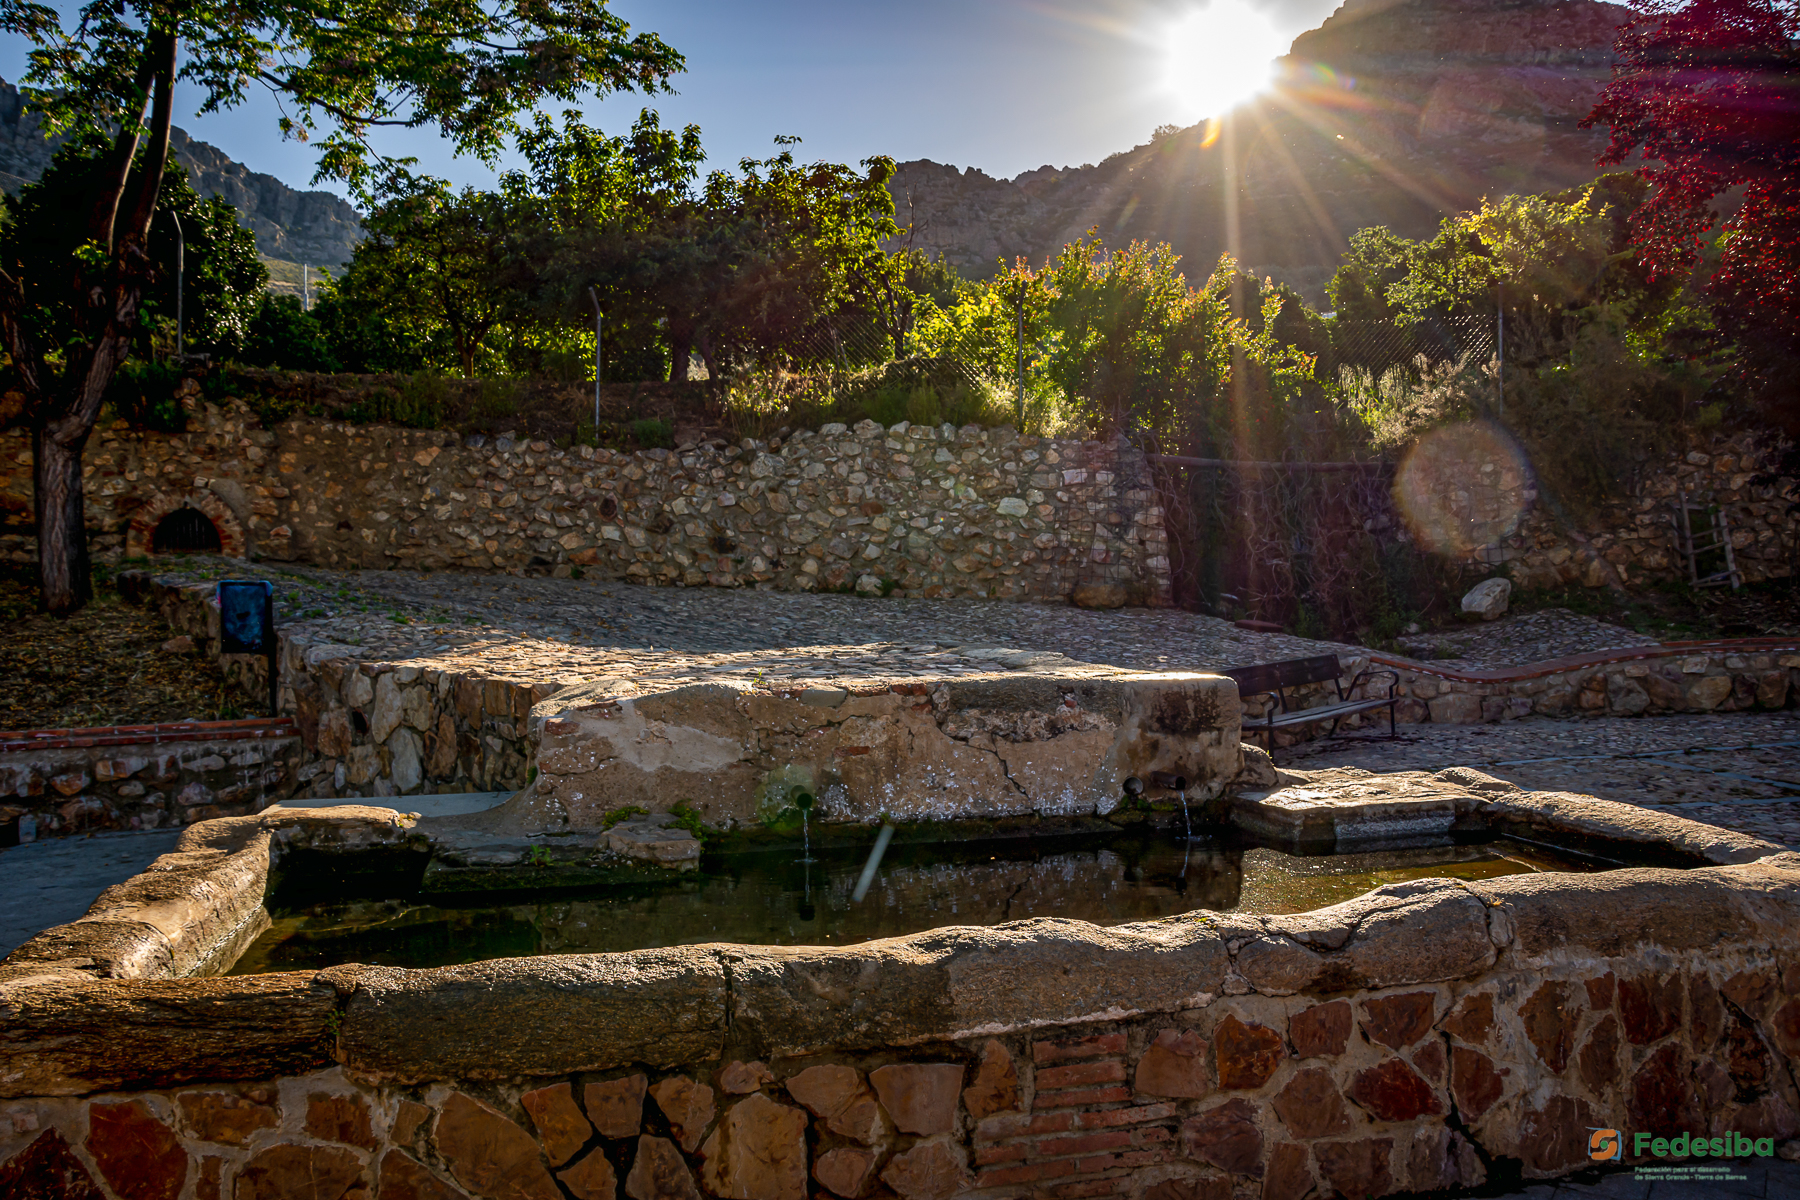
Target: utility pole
[
  {"x": 306, "y": 286},
  {"x": 595, "y": 298}
]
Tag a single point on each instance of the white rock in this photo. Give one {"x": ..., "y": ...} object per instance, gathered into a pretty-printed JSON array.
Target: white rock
[
  {"x": 1488, "y": 598},
  {"x": 405, "y": 769}
]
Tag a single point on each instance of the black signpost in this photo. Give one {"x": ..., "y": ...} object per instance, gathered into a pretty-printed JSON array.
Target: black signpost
[{"x": 247, "y": 624}]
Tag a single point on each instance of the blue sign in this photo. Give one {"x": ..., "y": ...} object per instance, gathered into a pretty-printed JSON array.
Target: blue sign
[{"x": 246, "y": 616}]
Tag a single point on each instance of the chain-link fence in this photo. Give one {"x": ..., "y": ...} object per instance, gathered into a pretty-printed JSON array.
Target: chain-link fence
[{"x": 1376, "y": 346}]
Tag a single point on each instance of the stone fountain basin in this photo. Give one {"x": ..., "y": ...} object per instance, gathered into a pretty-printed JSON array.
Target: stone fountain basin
[
  {"x": 193, "y": 911},
  {"x": 1401, "y": 1041}
]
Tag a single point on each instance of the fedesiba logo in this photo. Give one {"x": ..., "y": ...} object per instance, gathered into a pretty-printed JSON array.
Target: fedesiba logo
[{"x": 1608, "y": 1145}]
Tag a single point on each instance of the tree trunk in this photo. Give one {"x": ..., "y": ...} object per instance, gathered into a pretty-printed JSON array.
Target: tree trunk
[
  {"x": 63, "y": 569},
  {"x": 681, "y": 349}
]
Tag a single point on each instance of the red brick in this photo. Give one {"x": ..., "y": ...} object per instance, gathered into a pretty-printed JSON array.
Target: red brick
[
  {"x": 1091, "y": 1187},
  {"x": 1123, "y": 1116},
  {"x": 1111, "y": 1095},
  {"x": 1085, "y": 1143},
  {"x": 987, "y": 1156},
  {"x": 994, "y": 1128},
  {"x": 1025, "y": 1173},
  {"x": 1100, "y": 1162},
  {"x": 1013, "y": 1126},
  {"x": 1108, "y": 1071},
  {"x": 1094, "y": 1047},
  {"x": 1143, "y": 1158}
]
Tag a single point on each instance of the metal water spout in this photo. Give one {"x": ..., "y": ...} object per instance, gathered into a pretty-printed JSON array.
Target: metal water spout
[
  {"x": 804, "y": 802},
  {"x": 1178, "y": 784}
]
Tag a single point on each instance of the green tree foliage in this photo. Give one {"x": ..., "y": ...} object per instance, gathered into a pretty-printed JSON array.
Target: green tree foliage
[
  {"x": 222, "y": 277},
  {"x": 285, "y": 335},
  {"x": 444, "y": 266},
  {"x": 340, "y": 71},
  {"x": 1602, "y": 360},
  {"x": 742, "y": 268}
]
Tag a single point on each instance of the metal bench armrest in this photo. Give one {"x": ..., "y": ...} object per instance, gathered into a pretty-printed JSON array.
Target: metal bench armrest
[{"x": 1393, "y": 682}]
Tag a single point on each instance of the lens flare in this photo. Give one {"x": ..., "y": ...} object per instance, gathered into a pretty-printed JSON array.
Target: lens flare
[
  {"x": 1219, "y": 56},
  {"x": 1464, "y": 489}
]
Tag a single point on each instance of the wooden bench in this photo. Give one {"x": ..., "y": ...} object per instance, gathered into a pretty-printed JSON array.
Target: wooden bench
[{"x": 1274, "y": 679}]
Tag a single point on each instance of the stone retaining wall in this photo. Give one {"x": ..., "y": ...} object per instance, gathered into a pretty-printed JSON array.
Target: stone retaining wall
[
  {"x": 1427, "y": 1036},
  {"x": 74, "y": 781},
  {"x": 924, "y": 511},
  {"x": 1468, "y": 492}
]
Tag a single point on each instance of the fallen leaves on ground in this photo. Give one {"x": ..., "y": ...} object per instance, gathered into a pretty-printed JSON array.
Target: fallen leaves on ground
[{"x": 103, "y": 666}]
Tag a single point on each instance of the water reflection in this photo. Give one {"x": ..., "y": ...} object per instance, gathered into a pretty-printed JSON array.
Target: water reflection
[{"x": 772, "y": 899}]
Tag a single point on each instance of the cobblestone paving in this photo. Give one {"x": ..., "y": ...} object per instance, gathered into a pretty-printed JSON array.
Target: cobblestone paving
[
  {"x": 1515, "y": 640},
  {"x": 571, "y": 630},
  {"x": 1738, "y": 770}
]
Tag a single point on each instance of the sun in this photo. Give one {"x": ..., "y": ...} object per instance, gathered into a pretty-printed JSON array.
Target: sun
[{"x": 1220, "y": 55}]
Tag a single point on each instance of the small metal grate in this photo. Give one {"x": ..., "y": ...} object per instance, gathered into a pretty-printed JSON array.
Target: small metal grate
[{"x": 186, "y": 530}]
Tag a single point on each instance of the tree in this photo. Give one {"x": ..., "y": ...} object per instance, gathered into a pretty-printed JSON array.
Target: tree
[
  {"x": 441, "y": 262},
  {"x": 346, "y": 68},
  {"x": 222, "y": 277},
  {"x": 890, "y": 288},
  {"x": 284, "y": 335},
  {"x": 1704, "y": 93}
]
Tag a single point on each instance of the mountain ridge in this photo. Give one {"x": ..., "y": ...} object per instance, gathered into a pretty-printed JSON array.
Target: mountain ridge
[
  {"x": 311, "y": 227},
  {"x": 1391, "y": 112}
]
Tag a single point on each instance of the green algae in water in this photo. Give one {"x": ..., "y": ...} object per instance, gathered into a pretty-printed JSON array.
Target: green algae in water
[{"x": 772, "y": 899}]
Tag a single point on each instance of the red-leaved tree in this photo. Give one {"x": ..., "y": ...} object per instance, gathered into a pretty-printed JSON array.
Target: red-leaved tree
[{"x": 1706, "y": 93}]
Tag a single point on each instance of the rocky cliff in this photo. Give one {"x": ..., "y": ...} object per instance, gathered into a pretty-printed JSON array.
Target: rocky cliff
[
  {"x": 1393, "y": 112},
  {"x": 303, "y": 227}
]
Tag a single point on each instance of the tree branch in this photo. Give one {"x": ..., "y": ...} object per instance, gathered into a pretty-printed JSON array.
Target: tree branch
[
  {"x": 118, "y": 168},
  {"x": 28, "y": 359},
  {"x": 148, "y": 177}
]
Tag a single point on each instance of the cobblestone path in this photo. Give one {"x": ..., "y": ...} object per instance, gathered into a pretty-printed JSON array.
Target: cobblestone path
[
  {"x": 569, "y": 630},
  {"x": 1739, "y": 770}
]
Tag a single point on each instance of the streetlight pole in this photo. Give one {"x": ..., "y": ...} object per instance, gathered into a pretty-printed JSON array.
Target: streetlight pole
[
  {"x": 180, "y": 273},
  {"x": 595, "y": 298}
]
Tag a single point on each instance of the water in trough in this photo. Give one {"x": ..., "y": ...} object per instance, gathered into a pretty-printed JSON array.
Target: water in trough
[{"x": 772, "y": 898}]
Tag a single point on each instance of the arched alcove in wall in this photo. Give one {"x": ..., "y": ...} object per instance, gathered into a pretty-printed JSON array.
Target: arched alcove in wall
[
  {"x": 181, "y": 524},
  {"x": 187, "y": 530}
]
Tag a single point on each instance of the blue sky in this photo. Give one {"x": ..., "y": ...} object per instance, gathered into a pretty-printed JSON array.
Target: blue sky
[{"x": 1003, "y": 85}]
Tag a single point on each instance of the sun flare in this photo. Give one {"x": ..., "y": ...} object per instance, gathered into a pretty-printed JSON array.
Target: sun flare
[{"x": 1220, "y": 55}]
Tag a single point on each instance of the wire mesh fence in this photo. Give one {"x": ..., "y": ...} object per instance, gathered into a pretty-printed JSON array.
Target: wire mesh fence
[{"x": 1378, "y": 345}]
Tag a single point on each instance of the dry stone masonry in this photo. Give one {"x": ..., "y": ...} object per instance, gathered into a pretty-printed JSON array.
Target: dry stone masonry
[{"x": 934, "y": 512}]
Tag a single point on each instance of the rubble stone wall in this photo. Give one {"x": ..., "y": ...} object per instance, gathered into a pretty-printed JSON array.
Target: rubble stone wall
[
  {"x": 1469, "y": 492},
  {"x": 1412, "y": 1040},
  {"x": 924, "y": 511},
  {"x": 72, "y": 786}
]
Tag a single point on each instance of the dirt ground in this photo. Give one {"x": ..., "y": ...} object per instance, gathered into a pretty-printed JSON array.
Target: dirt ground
[{"x": 103, "y": 666}]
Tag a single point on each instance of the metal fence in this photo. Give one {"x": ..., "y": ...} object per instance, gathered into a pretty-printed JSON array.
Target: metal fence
[{"x": 1377, "y": 345}]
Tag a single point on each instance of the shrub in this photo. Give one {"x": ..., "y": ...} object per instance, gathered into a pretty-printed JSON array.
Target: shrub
[
  {"x": 653, "y": 432},
  {"x": 143, "y": 395}
]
